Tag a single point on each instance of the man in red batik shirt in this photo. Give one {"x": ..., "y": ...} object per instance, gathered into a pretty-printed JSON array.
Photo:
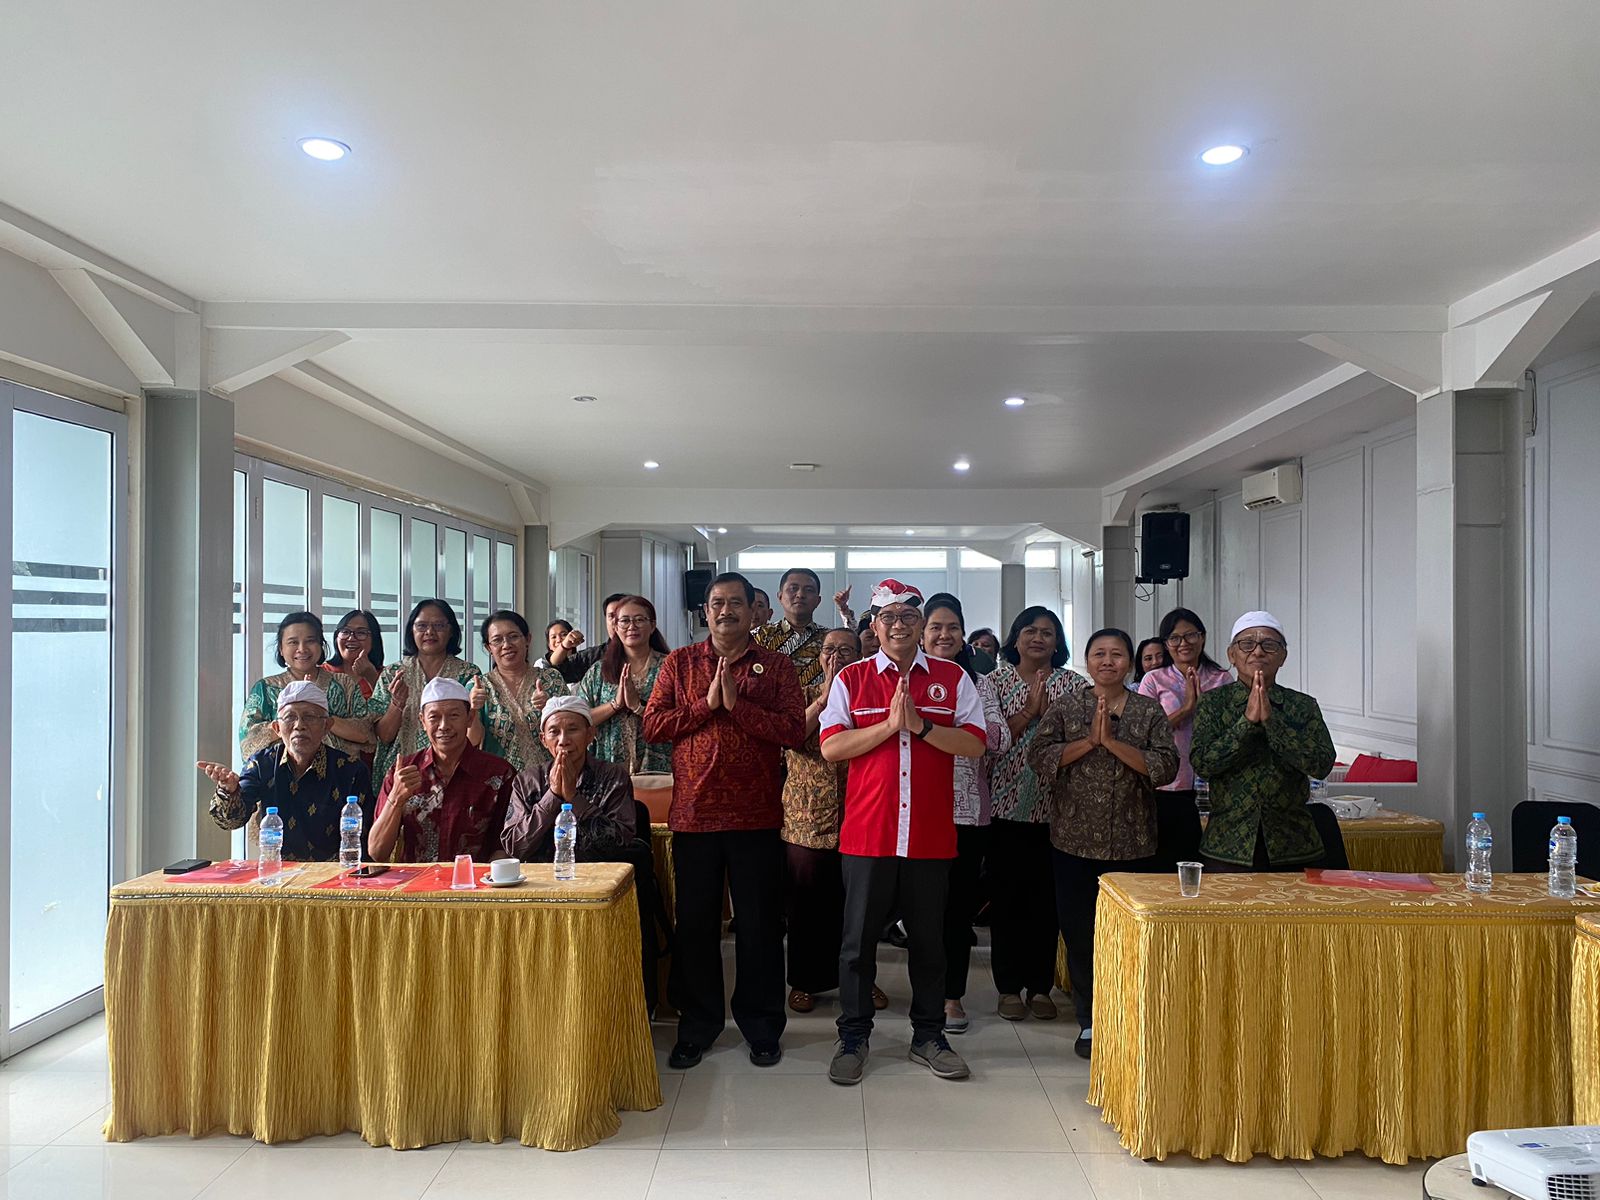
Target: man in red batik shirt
[
  {"x": 899, "y": 719},
  {"x": 729, "y": 708}
]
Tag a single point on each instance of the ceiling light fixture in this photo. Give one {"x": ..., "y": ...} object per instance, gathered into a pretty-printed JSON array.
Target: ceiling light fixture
[
  {"x": 722, "y": 529},
  {"x": 324, "y": 149},
  {"x": 961, "y": 464},
  {"x": 584, "y": 399},
  {"x": 650, "y": 464},
  {"x": 911, "y": 533},
  {"x": 1015, "y": 401},
  {"x": 1222, "y": 156},
  {"x": 802, "y": 466}
]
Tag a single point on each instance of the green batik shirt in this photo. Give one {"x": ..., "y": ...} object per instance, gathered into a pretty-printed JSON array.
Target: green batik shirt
[{"x": 1260, "y": 774}]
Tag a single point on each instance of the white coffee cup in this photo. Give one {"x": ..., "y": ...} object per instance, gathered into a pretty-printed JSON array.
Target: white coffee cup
[{"x": 505, "y": 870}]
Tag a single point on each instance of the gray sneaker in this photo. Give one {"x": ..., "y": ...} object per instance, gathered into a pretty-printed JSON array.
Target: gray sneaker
[
  {"x": 849, "y": 1058},
  {"x": 936, "y": 1055}
]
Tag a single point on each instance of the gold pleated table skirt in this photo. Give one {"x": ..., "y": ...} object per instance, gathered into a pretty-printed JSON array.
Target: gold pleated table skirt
[
  {"x": 1586, "y": 1023},
  {"x": 1274, "y": 1016},
  {"x": 1394, "y": 841},
  {"x": 287, "y": 1012}
]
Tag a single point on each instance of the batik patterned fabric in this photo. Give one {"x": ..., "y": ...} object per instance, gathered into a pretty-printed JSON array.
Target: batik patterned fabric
[
  {"x": 621, "y": 739},
  {"x": 411, "y": 738},
  {"x": 803, "y": 647},
  {"x": 511, "y": 719},
  {"x": 261, "y": 709},
  {"x": 463, "y": 816},
  {"x": 309, "y": 802},
  {"x": 1013, "y": 785}
]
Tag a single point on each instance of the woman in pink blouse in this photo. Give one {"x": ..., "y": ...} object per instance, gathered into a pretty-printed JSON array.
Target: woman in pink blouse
[{"x": 1178, "y": 688}]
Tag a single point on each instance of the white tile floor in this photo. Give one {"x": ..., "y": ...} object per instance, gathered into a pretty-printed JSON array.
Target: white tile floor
[{"x": 1018, "y": 1127}]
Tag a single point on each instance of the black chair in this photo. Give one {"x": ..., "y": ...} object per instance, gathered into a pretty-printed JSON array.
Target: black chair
[
  {"x": 1531, "y": 822},
  {"x": 1334, "y": 857}
]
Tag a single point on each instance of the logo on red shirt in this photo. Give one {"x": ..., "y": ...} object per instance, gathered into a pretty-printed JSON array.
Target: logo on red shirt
[{"x": 938, "y": 693}]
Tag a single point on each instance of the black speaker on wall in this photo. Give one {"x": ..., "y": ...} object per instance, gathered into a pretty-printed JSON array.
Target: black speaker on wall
[
  {"x": 1163, "y": 546},
  {"x": 695, "y": 585}
]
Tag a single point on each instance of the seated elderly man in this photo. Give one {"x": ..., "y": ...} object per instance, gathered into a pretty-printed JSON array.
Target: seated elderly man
[
  {"x": 601, "y": 793},
  {"x": 446, "y": 800},
  {"x": 1260, "y": 744},
  {"x": 308, "y": 782}
]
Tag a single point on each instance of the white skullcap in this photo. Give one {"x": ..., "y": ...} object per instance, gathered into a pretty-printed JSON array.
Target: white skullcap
[
  {"x": 561, "y": 704},
  {"x": 301, "y": 692},
  {"x": 1260, "y": 619},
  {"x": 441, "y": 688}
]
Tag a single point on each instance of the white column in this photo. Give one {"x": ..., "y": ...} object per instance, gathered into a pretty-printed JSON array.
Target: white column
[{"x": 1117, "y": 581}]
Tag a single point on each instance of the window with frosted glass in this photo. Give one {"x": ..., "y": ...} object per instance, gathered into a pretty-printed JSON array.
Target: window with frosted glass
[
  {"x": 341, "y": 560},
  {"x": 455, "y": 583},
  {"x": 505, "y": 571},
  {"x": 63, "y": 537},
  {"x": 385, "y": 582},
  {"x": 481, "y": 586},
  {"x": 283, "y": 562},
  {"x": 424, "y": 562}
]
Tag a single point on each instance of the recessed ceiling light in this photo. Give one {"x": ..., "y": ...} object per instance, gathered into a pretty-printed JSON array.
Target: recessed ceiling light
[
  {"x": 584, "y": 399},
  {"x": 961, "y": 464},
  {"x": 1221, "y": 156},
  {"x": 650, "y": 464},
  {"x": 722, "y": 529},
  {"x": 1015, "y": 401},
  {"x": 324, "y": 149},
  {"x": 911, "y": 533},
  {"x": 802, "y": 466}
]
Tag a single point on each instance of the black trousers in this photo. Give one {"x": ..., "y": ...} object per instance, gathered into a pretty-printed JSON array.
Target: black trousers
[
  {"x": 916, "y": 888},
  {"x": 1022, "y": 913},
  {"x": 972, "y": 842},
  {"x": 751, "y": 863},
  {"x": 814, "y": 909},
  {"x": 1178, "y": 830},
  {"x": 1077, "y": 882}
]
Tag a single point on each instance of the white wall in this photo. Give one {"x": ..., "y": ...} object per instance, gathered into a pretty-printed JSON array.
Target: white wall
[
  {"x": 1339, "y": 570},
  {"x": 1562, "y": 506},
  {"x": 649, "y": 565}
]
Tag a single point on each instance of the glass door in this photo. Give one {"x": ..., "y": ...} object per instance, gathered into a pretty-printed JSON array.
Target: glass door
[{"x": 64, "y": 700}]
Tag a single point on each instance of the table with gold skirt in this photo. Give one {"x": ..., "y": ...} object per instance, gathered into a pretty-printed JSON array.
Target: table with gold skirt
[
  {"x": 1390, "y": 841},
  {"x": 1271, "y": 1015},
  {"x": 411, "y": 1018},
  {"x": 1586, "y": 1022}
]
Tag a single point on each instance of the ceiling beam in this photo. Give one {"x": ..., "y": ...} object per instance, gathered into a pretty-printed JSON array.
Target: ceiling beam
[
  {"x": 46, "y": 245},
  {"x": 1577, "y": 266},
  {"x": 1413, "y": 361},
  {"x": 137, "y": 330},
  {"x": 733, "y": 320},
  {"x": 239, "y": 357}
]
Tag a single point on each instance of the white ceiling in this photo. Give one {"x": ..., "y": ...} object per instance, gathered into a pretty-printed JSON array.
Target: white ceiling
[{"x": 939, "y": 155}]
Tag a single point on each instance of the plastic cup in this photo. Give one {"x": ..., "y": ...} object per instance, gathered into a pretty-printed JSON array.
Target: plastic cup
[
  {"x": 1189, "y": 879},
  {"x": 463, "y": 880}
]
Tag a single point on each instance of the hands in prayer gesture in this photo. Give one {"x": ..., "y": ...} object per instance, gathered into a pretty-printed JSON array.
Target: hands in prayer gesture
[
  {"x": 903, "y": 714},
  {"x": 1036, "y": 699},
  {"x": 221, "y": 775},
  {"x": 1100, "y": 729},
  {"x": 724, "y": 690},
  {"x": 627, "y": 694},
  {"x": 564, "y": 772},
  {"x": 1258, "y": 708},
  {"x": 1191, "y": 694},
  {"x": 407, "y": 783}
]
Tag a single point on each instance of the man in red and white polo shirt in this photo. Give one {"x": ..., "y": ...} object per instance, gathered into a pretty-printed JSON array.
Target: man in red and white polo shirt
[{"x": 899, "y": 719}]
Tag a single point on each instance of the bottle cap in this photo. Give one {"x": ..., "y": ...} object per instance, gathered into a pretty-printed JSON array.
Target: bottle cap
[
  {"x": 568, "y": 808},
  {"x": 1477, "y": 816},
  {"x": 272, "y": 812},
  {"x": 1559, "y": 820},
  {"x": 352, "y": 800}
]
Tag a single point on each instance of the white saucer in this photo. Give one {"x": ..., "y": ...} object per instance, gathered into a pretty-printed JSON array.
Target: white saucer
[{"x": 498, "y": 883}]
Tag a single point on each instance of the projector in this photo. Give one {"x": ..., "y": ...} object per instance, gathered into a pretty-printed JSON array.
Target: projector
[{"x": 1559, "y": 1163}]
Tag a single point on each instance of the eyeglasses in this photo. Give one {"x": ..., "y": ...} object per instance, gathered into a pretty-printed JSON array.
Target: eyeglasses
[
  {"x": 908, "y": 619},
  {"x": 1186, "y": 639},
  {"x": 838, "y": 652},
  {"x": 1268, "y": 646},
  {"x": 504, "y": 640},
  {"x": 294, "y": 720},
  {"x": 430, "y": 626},
  {"x": 356, "y": 635},
  {"x": 631, "y": 622}
]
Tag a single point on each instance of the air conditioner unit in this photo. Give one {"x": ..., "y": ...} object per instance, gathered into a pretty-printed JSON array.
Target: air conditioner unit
[
  {"x": 1562, "y": 1163},
  {"x": 1268, "y": 489}
]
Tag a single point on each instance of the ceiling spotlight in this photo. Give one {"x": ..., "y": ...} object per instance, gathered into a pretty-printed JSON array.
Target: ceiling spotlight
[
  {"x": 1222, "y": 156},
  {"x": 1015, "y": 401},
  {"x": 584, "y": 399},
  {"x": 324, "y": 149},
  {"x": 911, "y": 533},
  {"x": 961, "y": 464},
  {"x": 650, "y": 464},
  {"x": 802, "y": 466},
  {"x": 722, "y": 529}
]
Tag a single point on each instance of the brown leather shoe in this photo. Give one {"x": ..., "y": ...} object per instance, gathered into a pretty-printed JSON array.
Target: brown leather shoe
[
  {"x": 801, "y": 1002},
  {"x": 880, "y": 1000},
  {"x": 1012, "y": 1008},
  {"x": 1042, "y": 1007}
]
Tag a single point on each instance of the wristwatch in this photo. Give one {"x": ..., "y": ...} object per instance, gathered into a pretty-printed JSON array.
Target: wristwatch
[{"x": 927, "y": 728}]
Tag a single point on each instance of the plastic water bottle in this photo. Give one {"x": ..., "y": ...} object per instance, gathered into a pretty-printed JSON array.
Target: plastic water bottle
[
  {"x": 1319, "y": 789},
  {"x": 350, "y": 835},
  {"x": 566, "y": 844},
  {"x": 271, "y": 860},
  {"x": 1480, "y": 842},
  {"x": 1564, "y": 859},
  {"x": 1202, "y": 796}
]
